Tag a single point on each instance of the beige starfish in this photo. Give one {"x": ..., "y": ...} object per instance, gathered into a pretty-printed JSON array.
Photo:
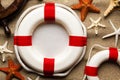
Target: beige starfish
[
  {"x": 35, "y": 79},
  {"x": 116, "y": 33},
  {"x": 3, "y": 50},
  {"x": 113, "y": 4},
  {"x": 96, "y": 24}
]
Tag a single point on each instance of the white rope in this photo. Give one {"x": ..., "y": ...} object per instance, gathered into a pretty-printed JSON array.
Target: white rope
[
  {"x": 90, "y": 53},
  {"x": 95, "y": 45}
]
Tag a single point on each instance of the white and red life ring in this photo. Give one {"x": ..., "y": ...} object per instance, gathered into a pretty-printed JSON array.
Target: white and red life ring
[
  {"x": 38, "y": 62},
  {"x": 91, "y": 69}
]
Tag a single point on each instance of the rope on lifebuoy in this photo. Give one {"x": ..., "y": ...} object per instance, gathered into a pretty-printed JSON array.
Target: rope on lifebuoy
[{"x": 91, "y": 69}]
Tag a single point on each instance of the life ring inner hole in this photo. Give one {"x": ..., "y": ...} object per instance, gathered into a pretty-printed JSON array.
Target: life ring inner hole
[
  {"x": 109, "y": 67},
  {"x": 50, "y": 39}
]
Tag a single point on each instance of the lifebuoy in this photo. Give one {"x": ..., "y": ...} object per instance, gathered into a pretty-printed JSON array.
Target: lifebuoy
[
  {"x": 47, "y": 65},
  {"x": 91, "y": 69}
]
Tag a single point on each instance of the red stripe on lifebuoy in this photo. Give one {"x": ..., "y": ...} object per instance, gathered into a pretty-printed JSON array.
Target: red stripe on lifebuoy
[
  {"x": 48, "y": 66},
  {"x": 23, "y": 40},
  {"x": 49, "y": 12},
  {"x": 91, "y": 71},
  {"x": 113, "y": 54},
  {"x": 77, "y": 41}
]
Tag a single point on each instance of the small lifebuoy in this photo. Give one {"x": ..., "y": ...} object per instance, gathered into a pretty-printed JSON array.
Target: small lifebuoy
[
  {"x": 91, "y": 69},
  {"x": 38, "y": 62}
]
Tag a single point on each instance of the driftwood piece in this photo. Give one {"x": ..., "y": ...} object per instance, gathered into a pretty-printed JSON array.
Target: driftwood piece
[{"x": 10, "y": 12}]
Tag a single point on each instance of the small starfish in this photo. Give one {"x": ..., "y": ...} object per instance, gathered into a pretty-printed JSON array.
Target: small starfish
[
  {"x": 85, "y": 6},
  {"x": 3, "y": 50},
  {"x": 12, "y": 70},
  {"x": 113, "y": 4},
  {"x": 31, "y": 79},
  {"x": 116, "y": 33},
  {"x": 95, "y": 24}
]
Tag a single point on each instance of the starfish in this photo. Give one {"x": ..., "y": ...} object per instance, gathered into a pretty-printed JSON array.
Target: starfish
[
  {"x": 95, "y": 24},
  {"x": 85, "y": 6},
  {"x": 116, "y": 33},
  {"x": 12, "y": 70},
  {"x": 3, "y": 50},
  {"x": 113, "y": 4},
  {"x": 31, "y": 79}
]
